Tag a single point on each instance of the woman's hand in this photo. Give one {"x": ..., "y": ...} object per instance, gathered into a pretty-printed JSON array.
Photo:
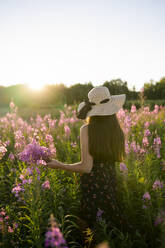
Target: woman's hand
[{"x": 54, "y": 164}]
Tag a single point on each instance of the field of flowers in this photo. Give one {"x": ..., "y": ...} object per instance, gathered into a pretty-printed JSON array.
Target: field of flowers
[{"x": 39, "y": 206}]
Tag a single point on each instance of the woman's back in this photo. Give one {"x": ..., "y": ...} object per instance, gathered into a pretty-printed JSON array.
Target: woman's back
[{"x": 106, "y": 138}]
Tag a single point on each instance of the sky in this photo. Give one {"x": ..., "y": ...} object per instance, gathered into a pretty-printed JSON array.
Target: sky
[{"x": 75, "y": 41}]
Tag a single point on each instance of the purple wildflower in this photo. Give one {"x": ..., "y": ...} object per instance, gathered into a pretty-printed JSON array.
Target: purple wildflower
[
  {"x": 73, "y": 144},
  {"x": 160, "y": 218},
  {"x": 54, "y": 237},
  {"x": 25, "y": 181},
  {"x": 135, "y": 146},
  {"x": 16, "y": 190},
  {"x": 99, "y": 215},
  {"x": 123, "y": 168},
  {"x": 34, "y": 152},
  {"x": 15, "y": 225},
  {"x": 29, "y": 171}
]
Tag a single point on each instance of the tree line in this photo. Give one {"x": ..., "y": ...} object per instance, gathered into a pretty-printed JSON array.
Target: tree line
[{"x": 60, "y": 94}]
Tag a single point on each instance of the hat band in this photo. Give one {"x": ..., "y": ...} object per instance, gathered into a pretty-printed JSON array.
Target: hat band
[
  {"x": 105, "y": 100},
  {"x": 88, "y": 106},
  {"x": 93, "y": 103}
]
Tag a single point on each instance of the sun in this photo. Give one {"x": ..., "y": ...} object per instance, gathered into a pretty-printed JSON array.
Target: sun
[{"x": 36, "y": 86}]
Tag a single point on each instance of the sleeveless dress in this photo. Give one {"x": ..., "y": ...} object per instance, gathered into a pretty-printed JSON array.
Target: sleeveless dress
[{"x": 99, "y": 195}]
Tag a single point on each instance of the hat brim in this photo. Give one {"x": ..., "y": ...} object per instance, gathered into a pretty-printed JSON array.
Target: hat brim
[{"x": 111, "y": 107}]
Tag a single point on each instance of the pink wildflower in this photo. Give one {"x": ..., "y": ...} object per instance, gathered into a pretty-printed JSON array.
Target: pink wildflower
[
  {"x": 157, "y": 141},
  {"x": 127, "y": 150},
  {"x": 147, "y": 132},
  {"x": 67, "y": 130},
  {"x": 156, "y": 109},
  {"x": 41, "y": 162},
  {"x": 46, "y": 185},
  {"x": 2, "y": 213},
  {"x": 145, "y": 141},
  {"x": 157, "y": 185},
  {"x": 12, "y": 105},
  {"x": 11, "y": 156},
  {"x": 49, "y": 138},
  {"x": 3, "y": 150},
  {"x": 133, "y": 109},
  {"x": 157, "y": 146},
  {"x": 146, "y": 196},
  {"x": 146, "y": 125},
  {"x": 10, "y": 229}
]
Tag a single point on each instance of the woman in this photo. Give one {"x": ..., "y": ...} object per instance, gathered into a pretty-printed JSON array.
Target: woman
[{"x": 102, "y": 144}]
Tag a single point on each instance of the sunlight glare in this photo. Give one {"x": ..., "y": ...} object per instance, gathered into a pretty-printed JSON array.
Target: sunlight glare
[{"x": 36, "y": 86}]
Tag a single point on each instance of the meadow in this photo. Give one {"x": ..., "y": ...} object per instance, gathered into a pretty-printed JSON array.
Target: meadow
[{"x": 38, "y": 204}]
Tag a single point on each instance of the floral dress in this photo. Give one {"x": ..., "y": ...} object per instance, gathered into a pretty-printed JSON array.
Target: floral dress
[{"x": 99, "y": 195}]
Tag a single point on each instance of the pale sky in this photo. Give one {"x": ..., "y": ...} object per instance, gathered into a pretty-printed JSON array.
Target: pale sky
[{"x": 77, "y": 41}]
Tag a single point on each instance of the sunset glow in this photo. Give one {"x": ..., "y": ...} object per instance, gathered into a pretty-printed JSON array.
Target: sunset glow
[
  {"x": 51, "y": 42},
  {"x": 35, "y": 86}
]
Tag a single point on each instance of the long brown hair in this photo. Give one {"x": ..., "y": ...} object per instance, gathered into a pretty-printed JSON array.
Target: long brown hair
[{"x": 106, "y": 138}]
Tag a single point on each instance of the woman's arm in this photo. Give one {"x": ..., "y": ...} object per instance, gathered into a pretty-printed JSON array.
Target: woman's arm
[{"x": 86, "y": 163}]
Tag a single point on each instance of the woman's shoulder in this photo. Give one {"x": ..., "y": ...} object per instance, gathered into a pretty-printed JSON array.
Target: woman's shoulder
[
  {"x": 84, "y": 131},
  {"x": 85, "y": 126}
]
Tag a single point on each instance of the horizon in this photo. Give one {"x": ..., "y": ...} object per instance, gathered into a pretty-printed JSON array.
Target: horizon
[
  {"x": 56, "y": 84},
  {"x": 79, "y": 42}
]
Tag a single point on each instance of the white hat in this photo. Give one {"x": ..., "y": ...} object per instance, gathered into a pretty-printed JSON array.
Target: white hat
[{"x": 100, "y": 102}]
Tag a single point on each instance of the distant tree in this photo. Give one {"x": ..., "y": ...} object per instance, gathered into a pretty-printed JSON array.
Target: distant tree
[
  {"x": 117, "y": 86},
  {"x": 154, "y": 90},
  {"x": 160, "y": 88},
  {"x": 78, "y": 92}
]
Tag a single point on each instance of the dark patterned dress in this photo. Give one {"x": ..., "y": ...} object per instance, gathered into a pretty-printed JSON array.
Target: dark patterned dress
[{"x": 99, "y": 195}]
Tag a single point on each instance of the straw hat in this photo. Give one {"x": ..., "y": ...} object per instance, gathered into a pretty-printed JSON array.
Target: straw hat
[{"x": 100, "y": 102}]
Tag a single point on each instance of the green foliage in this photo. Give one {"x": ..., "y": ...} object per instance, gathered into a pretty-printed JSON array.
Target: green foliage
[
  {"x": 155, "y": 90},
  {"x": 32, "y": 209}
]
